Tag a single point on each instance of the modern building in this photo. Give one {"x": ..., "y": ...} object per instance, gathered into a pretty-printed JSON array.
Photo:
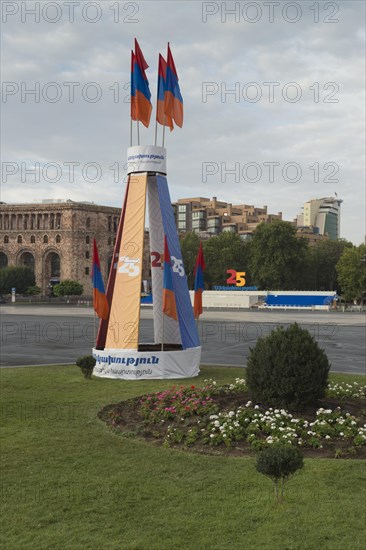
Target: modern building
[
  {"x": 55, "y": 238},
  {"x": 210, "y": 217},
  {"x": 323, "y": 214}
]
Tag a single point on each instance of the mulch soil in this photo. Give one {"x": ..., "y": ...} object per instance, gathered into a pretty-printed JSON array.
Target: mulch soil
[{"x": 131, "y": 423}]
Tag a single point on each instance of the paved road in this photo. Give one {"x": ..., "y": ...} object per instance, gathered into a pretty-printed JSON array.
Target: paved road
[{"x": 36, "y": 335}]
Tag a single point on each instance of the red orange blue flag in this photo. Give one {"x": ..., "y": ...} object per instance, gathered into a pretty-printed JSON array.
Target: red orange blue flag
[
  {"x": 161, "y": 117},
  {"x": 140, "y": 92},
  {"x": 100, "y": 303},
  {"x": 173, "y": 104},
  {"x": 198, "y": 283},
  {"x": 169, "y": 304}
]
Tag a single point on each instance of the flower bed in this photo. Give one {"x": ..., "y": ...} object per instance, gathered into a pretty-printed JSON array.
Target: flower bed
[{"x": 224, "y": 419}]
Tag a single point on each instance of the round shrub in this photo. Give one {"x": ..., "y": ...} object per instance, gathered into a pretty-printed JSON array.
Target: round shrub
[
  {"x": 287, "y": 368},
  {"x": 279, "y": 462},
  {"x": 87, "y": 364}
]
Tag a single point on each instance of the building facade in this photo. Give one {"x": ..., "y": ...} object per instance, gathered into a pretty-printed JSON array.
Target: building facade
[
  {"x": 323, "y": 214},
  {"x": 211, "y": 217},
  {"x": 55, "y": 239}
]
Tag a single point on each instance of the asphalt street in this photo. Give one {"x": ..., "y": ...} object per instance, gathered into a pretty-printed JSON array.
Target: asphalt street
[{"x": 46, "y": 335}]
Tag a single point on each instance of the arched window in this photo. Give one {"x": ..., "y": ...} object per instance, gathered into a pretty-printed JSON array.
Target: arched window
[
  {"x": 3, "y": 260},
  {"x": 109, "y": 241},
  {"x": 86, "y": 271},
  {"x": 19, "y": 239},
  {"x": 33, "y": 239},
  {"x": 6, "y": 239},
  {"x": 87, "y": 255},
  {"x": 88, "y": 223},
  {"x": 87, "y": 240},
  {"x": 53, "y": 268},
  {"x": 45, "y": 239},
  {"x": 58, "y": 239},
  {"x": 27, "y": 259}
]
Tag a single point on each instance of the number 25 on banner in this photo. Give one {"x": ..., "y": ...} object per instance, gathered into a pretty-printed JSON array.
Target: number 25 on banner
[
  {"x": 129, "y": 266},
  {"x": 236, "y": 278}
]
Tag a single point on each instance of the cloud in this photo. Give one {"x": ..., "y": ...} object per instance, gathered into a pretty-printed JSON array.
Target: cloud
[{"x": 325, "y": 126}]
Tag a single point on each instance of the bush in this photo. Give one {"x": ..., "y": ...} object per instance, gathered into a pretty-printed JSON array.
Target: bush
[
  {"x": 87, "y": 364},
  {"x": 68, "y": 288},
  {"x": 19, "y": 277},
  {"x": 279, "y": 462},
  {"x": 287, "y": 369}
]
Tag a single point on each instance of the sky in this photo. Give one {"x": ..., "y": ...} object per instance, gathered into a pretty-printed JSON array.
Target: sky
[{"x": 274, "y": 103}]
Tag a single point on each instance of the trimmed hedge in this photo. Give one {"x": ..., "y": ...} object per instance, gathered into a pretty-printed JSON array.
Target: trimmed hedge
[{"x": 287, "y": 369}]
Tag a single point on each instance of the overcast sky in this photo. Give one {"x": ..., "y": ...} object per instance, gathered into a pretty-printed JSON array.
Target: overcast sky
[{"x": 295, "y": 71}]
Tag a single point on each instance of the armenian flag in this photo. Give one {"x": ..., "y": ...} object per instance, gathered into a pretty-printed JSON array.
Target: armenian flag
[
  {"x": 161, "y": 117},
  {"x": 100, "y": 303},
  {"x": 140, "y": 92},
  {"x": 198, "y": 283},
  {"x": 173, "y": 105},
  {"x": 169, "y": 304}
]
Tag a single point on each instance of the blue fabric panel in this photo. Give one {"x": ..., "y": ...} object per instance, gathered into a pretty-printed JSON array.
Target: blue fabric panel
[
  {"x": 299, "y": 301},
  {"x": 187, "y": 325}
]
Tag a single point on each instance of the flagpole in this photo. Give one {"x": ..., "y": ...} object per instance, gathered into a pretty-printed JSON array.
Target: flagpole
[
  {"x": 162, "y": 339},
  {"x": 95, "y": 332},
  {"x": 156, "y": 132},
  {"x": 164, "y": 131},
  {"x": 138, "y": 133},
  {"x": 131, "y": 133}
]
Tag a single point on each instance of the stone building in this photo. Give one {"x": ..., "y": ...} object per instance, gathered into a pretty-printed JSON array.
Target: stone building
[
  {"x": 56, "y": 239},
  {"x": 212, "y": 217}
]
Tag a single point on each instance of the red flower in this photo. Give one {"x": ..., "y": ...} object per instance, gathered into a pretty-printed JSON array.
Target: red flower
[{"x": 193, "y": 387}]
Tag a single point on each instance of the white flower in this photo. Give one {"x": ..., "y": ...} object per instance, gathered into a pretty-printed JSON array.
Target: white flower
[
  {"x": 212, "y": 435},
  {"x": 341, "y": 434}
]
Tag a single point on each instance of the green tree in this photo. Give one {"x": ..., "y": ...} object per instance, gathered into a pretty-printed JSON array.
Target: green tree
[
  {"x": 18, "y": 277},
  {"x": 189, "y": 246},
  {"x": 68, "y": 288},
  {"x": 33, "y": 291},
  {"x": 277, "y": 257},
  {"x": 351, "y": 270},
  {"x": 279, "y": 462},
  {"x": 323, "y": 258},
  {"x": 226, "y": 251}
]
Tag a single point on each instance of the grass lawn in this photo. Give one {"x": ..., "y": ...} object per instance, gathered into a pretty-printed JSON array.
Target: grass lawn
[{"x": 69, "y": 482}]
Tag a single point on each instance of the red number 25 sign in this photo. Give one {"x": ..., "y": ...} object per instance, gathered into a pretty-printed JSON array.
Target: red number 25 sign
[{"x": 236, "y": 278}]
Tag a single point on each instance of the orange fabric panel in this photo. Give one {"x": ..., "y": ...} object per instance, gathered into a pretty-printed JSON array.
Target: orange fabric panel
[{"x": 124, "y": 318}]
